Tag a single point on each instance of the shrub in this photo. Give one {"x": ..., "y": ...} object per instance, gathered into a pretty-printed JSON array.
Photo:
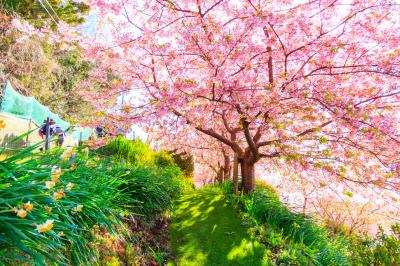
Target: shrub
[
  {"x": 152, "y": 190},
  {"x": 163, "y": 159},
  {"x": 133, "y": 152},
  {"x": 185, "y": 163}
]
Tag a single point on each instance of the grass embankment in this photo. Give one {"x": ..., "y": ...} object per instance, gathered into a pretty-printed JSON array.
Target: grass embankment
[
  {"x": 293, "y": 238},
  {"x": 206, "y": 230}
]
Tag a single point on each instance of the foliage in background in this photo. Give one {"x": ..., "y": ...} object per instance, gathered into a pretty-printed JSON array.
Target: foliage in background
[
  {"x": 133, "y": 152},
  {"x": 153, "y": 189},
  {"x": 71, "y": 12},
  {"x": 295, "y": 239},
  {"x": 185, "y": 162},
  {"x": 154, "y": 179},
  {"x": 383, "y": 249},
  {"x": 138, "y": 153},
  {"x": 44, "y": 70}
]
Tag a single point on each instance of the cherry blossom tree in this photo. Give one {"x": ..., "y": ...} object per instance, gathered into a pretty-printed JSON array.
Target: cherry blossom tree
[
  {"x": 313, "y": 85},
  {"x": 340, "y": 205}
]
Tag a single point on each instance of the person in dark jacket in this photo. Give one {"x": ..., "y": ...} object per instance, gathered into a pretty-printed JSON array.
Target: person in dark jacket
[
  {"x": 100, "y": 132},
  {"x": 43, "y": 128}
]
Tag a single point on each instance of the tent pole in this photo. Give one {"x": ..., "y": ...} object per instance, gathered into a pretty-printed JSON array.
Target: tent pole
[{"x": 29, "y": 129}]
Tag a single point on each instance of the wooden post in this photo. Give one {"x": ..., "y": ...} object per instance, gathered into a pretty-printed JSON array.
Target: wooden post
[{"x": 47, "y": 142}]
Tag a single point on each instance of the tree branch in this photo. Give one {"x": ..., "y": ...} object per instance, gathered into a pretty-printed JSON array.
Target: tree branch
[{"x": 212, "y": 133}]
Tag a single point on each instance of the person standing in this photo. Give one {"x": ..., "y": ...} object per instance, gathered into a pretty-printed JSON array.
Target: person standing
[
  {"x": 43, "y": 128},
  {"x": 60, "y": 135}
]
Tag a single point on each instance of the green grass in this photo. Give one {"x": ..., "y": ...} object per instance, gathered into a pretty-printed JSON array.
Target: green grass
[{"x": 206, "y": 230}]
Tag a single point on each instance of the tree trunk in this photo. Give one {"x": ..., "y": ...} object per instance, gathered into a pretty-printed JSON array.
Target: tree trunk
[
  {"x": 248, "y": 176},
  {"x": 235, "y": 174},
  {"x": 227, "y": 167},
  {"x": 305, "y": 204},
  {"x": 220, "y": 175}
]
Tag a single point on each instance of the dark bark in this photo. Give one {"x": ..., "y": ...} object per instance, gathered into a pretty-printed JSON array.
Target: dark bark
[
  {"x": 220, "y": 176},
  {"x": 248, "y": 176},
  {"x": 235, "y": 174},
  {"x": 227, "y": 167}
]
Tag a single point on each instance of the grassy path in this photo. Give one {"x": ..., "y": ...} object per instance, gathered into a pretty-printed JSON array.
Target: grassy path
[{"x": 205, "y": 230}]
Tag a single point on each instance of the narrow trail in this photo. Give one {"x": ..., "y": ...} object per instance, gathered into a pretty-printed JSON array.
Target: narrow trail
[{"x": 205, "y": 230}]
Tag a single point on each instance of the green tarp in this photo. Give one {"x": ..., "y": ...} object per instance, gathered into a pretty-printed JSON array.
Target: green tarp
[{"x": 26, "y": 107}]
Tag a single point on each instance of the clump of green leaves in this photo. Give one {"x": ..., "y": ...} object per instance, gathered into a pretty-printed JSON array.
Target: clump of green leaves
[
  {"x": 138, "y": 153},
  {"x": 131, "y": 152},
  {"x": 294, "y": 238},
  {"x": 71, "y": 12},
  {"x": 383, "y": 249},
  {"x": 153, "y": 179}
]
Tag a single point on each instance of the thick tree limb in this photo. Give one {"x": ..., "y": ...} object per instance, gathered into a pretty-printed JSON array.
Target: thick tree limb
[{"x": 212, "y": 133}]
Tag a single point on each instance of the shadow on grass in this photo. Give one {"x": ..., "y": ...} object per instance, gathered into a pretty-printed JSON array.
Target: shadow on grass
[{"x": 205, "y": 230}]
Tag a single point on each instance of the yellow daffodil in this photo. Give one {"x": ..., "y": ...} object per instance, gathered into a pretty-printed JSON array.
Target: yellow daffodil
[
  {"x": 67, "y": 154},
  {"x": 96, "y": 158},
  {"x": 48, "y": 225},
  {"x": 56, "y": 171},
  {"x": 20, "y": 212},
  {"x": 2, "y": 124},
  {"x": 28, "y": 206},
  {"x": 73, "y": 167},
  {"x": 48, "y": 209},
  {"x": 55, "y": 174},
  {"x": 69, "y": 186},
  {"x": 79, "y": 208},
  {"x": 50, "y": 184},
  {"x": 59, "y": 194},
  {"x": 55, "y": 178}
]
